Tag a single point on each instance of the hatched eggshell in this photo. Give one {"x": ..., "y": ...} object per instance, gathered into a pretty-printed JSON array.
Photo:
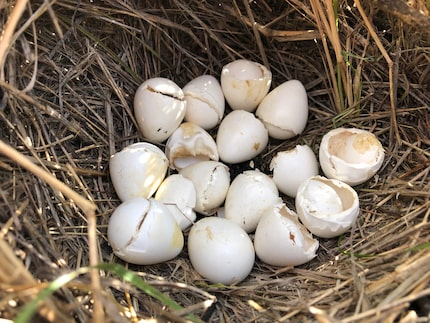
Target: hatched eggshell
[
  {"x": 205, "y": 101},
  {"x": 241, "y": 136},
  {"x": 284, "y": 111},
  {"x": 159, "y": 107}
]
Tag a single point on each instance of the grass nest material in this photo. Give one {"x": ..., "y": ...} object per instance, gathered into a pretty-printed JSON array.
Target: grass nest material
[{"x": 69, "y": 70}]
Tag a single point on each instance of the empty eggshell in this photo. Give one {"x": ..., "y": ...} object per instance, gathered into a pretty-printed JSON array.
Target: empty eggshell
[
  {"x": 327, "y": 207},
  {"x": 178, "y": 194},
  {"x": 138, "y": 170},
  {"x": 350, "y": 155},
  {"x": 245, "y": 84},
  {"x": 281, "y": 240},
  {"x": 292, "y": 167},
  {"x": 211, "y": 180},
  {"x": 189, "y": 144},
  {"x": 205, "y": 101},
  {"x": 241, "y": 136},
  {"x": 143, "y": 232},
  {"x": 247, "y": 209},
  {"x": 159, "y": 107},
  {"x": 220, "y": 250},
  {"x": 284, "y": 111}
]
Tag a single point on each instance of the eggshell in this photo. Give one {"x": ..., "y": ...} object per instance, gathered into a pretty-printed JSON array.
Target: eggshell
[
  {"x": 159, "y": 108},
  {"x": 220, "y": 250},
  {"x": 143, "y": 232},
  {"x": 245, "y": 84},
  {"x": 281, "y": 240},
  {"x": 241, "y": 136},
  {"x": 138, "y": 170},
  {"x": 284, "y": 111},
  {"x": 327, "y": 207},
  {"x": 205, "y": 101}
]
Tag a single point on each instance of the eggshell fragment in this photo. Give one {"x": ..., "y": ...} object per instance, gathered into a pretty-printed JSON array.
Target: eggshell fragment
[
  {"x": 189, "y": 144},
  {"x": 138, "y": 170},
  {"x": 220, "y": 250},
  {"x": 143, "y": 232},
  {"x": 350, "y": 155},
  {"x": 159, "y": 107},
  {"x": 284, "y": 111},
  {"x": 281, "y": 240},
  {"x": 241, "y": 136},
  {"x": 245, "y": 84},
  {"x": 327, "y": 207}
]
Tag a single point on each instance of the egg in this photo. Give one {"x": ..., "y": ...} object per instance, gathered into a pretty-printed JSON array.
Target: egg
[
  {"x": 249, "y": 195},
  {"x": 189, "y": 144},
  {"x": 292, "y": 167},
  {"x": 137, "y": 170},
  {"x": 220, "y": 250},
  {"x": 240, "y": 137},
  {"x": 159, "y": 108},
  {"x": 211, "y": 180},
  {"x": 178, "y": 194},
  {"x": 284, "y": 111},
  {"x": 281, "y": 240},
  {"x": 205, "y": 101},
  {"x": 327, "y": 207},
  {"x": 143, "y": 232},
  {"x": 245, "y": 83},
  {"x": 350, "y": 155}
]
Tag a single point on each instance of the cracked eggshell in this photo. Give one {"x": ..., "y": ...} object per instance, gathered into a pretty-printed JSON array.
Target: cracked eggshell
[
  {"x": 292, "y": 167},
  {"x": 281, "y": 240},
  {"x": 205, "y": 101},
  {"x": 327, "y": 207},
  {"x": 179, "y": 195},
  {"x": 211, "y": 180},
  {"x": 350, "y": 155},
  {"x": 247, "y": 209},
  {"x": 284, "y": 111},
  {"x": 189, "y": 144},
  {"x": 241, "y": 137},
  {"x": 245, "y": 84},
  {"x": 137, "y": 170},
  {"x": 159, "y": 107},
  {"x": 143, "y": 232},
  {"x": 220, "y": 250}
]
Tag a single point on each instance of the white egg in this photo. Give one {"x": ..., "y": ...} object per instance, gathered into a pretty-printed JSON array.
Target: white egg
[
  {"x": 138, "y": 170},
  {"x": 245, "y": 84},
  {"x": 178, "y": 194},
  {"x": 249, "y": 195},
  {"x": 220, "y": 250},
  {"x": 189, "y": 144},
  {"x": 211, "y": 180},
  {"x": 159, "y": 107},
  {"x": 205, "y": 101},
  {"x": 241, "y": 137},
  {"x": 327, "y": 207},
  {"x": 143, "y": 232},
  {"x": 281, "y": 240},
  {"x": 350, "y": 155},
  {"x": 284, "y": 111},
  {"x": 292, "y": 167}
]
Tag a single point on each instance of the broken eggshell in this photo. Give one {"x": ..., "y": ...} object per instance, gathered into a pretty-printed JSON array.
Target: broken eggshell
[
  {"x": 189, "y": 144},
  {"x": 245, "y": 83},
  {"x": 143, "y": 232},
  {"x": 137, "y": 170},
  {"x": 281, "y": 240},
  {"x": 350, "y": 155},
  {"x": 327, "y": 207},
  {"x": 159, "y": 107},
  {"x": 205, "y": 101}
]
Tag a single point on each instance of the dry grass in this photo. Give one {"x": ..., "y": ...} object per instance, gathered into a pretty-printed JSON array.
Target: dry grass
[{"x": 66, "y": 89}]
